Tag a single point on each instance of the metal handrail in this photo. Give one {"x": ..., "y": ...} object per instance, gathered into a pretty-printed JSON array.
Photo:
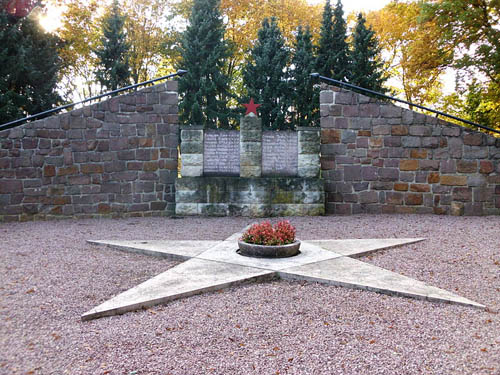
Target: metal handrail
[
  {"x": 21, "y": 121},
  {"x": 348, "y": 85}
]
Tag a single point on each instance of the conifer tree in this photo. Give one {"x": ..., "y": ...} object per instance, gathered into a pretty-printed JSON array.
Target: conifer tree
[
  {"x": 340, "y": 48},
  {"x": 29, "y": 65},
  {"x": 306, "y": 95},
  {"x": 324, "y": 61},
  {"x": 265, "y": 76},
  {"x": 113, "y": 70},
  {"x": 366, "y": 66},
  {"x": 204, "y": 89}
]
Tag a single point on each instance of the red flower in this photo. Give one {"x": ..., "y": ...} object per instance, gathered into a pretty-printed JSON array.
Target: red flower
[{"x": 265, "y": 234}]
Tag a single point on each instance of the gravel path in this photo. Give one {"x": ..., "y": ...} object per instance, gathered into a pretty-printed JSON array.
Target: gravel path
[{"x": 49, "y": 276}]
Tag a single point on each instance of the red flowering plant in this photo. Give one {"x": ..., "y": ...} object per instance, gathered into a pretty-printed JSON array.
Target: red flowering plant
[{"x": 282, "y": 233}]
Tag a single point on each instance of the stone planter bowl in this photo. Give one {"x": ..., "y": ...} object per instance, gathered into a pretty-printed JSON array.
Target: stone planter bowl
[{"x": 264, "y": 251}]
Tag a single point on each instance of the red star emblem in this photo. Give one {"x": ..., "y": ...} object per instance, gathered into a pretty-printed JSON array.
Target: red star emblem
[{"x": 251, "y": 107}]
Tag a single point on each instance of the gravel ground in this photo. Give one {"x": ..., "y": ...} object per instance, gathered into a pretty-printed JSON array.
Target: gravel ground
[{"x": 49, "y": 276}]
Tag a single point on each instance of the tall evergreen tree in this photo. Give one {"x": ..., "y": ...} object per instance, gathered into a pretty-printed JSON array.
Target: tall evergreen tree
[
  {"x": 113, "y": 70},
  {"x": 324, "y": 61},
  {"x": 340, "y": 48},
  {"x": 204, "y": 89},
  {"x": 265, "y": 76},
  {"x": 366, "y": 66},
  {"x": 306, "y": 95},
  {"x": 29, "y": 64}
]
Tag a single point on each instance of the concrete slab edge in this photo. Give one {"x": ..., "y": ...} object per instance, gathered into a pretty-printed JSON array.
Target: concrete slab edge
[
  {"x": 134, "y": 250},
  {"x": 294, "y": 277},
  {"x": 368, "y": 252},
  {"x": 90, "y": 315}
]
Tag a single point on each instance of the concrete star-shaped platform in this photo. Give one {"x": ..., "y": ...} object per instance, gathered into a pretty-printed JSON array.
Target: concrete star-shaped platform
[{"x": 215, "y": 265}]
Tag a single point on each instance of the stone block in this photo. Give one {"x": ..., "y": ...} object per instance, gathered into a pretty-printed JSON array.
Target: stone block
[
  {"x": 401, "y": 186},
  {"x": 392, "y": 141},
  {"x": 473, "y": 139},
  {"x": 457, "y": 209},
  {"x": 420, "y": 188},
  {"x": 366, "y": 197},
  {"x": 376, "y": 142},
  {"x": 382, "y": 130},
  {"x": 195, "y": 135},
  {"x": 350, "y": 111},
  {"x": 326, "y": 97},
  {"x": 344, "y": 98},
  {"x": 369, "y": 110},
  {"x": 411, "y": 142},
  {"x": 408, "y": 165},
  {"x": 420, "y": 130},
  {"x": 483, "y": 194},
  {"x": 486, "y": 167},
  {"x": 352, "y": 173},
  {"x": 191, "y": 171},
  {"x": 309, "y": 147},
  {"x": 452, "y": 131},
  {"x": 330, "y": 136},
  {"x": 394, "y": 198},
  {"x": 454, "y": 180},
  {"x": 475, "y": 152},
  {"x": 333, "y": 149},
  {"x": 360, "y": 123},
  {"x": 388, "y": 174},
  {"x": 476, "y": 180},
  {"x": 433, "y": 178},
  {"x": 465, "y": 166},
  {"x": 191, "y": 159},
  {"x": 429, "y": 165},
  {"x": 448, "y": 166},
  {"x": 431, "y": 142},
  {"x": 399, "y": 130},
  {"x": 389, "y": 111},
  {"x": 462, "y": 194},
  {"x": 414, "y": 199},
  {"x": 377, "y": 185},
  {"x": 369, "y": 173}
]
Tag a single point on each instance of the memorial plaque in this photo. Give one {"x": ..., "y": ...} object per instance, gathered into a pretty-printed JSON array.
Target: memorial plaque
[
  {"x": 221, "y": 154},
  {"x": 279, "y": 153}
]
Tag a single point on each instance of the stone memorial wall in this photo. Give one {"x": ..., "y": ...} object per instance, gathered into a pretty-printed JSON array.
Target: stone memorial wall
[
  {"x": 117, "y": 157},
  {"x": 249, "y": 172},
  {"x": 380, "y": 158}
]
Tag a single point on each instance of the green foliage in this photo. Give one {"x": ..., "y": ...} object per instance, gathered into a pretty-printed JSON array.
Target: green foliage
[
  {"x": 204, "y": 89},
  {"x": 29, "y": 64},
  {"x": 113, "y": 69},
  {"x": 265, "y": 76},
  {"x": 306, "y": 95},
  {"x": 366, "y": 67},
  {"x": 333, "y": 50},
  {"x": 472, "y": 28},
  {"x": 324, "y": 62}
]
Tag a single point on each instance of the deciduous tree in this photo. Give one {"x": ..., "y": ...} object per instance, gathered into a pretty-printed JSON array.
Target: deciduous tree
[
  {"x": 413, "y": 49},
  {"x": 472, "y": 28}
]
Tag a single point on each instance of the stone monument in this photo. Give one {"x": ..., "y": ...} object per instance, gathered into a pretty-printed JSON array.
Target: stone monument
[{"x": 250, "y": 172}]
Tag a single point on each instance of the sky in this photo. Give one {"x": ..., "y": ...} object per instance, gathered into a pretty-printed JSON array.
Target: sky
[{"x": 356, "y": 5}]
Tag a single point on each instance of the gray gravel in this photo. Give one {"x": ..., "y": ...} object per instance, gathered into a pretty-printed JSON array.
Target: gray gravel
[{"x": 49, "y": 276}]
